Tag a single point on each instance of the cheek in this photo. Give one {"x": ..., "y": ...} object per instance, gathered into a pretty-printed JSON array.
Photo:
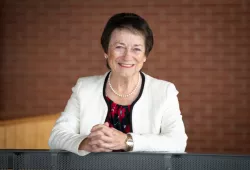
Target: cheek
[
  {"x": 141, "y": 59},
  {"x": 140, "y": 63},
  {"x": 139, "y": 66},
  {"x": 113, "y": 55}
]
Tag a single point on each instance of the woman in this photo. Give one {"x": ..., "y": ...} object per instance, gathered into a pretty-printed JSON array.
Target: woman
[{"x": 124, "y": 109}]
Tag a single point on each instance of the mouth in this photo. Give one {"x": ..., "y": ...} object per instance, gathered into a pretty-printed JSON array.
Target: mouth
[{"x": 126, "y": 65}]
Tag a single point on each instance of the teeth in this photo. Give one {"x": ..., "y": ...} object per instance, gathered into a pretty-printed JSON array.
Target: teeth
[{"x": 126, "y": 64}]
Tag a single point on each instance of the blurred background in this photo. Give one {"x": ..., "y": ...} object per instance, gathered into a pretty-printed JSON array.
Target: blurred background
[{"x": 202, "y": 46}]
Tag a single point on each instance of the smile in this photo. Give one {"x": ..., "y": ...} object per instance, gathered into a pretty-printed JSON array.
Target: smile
[{"x": 126, "y": 65}]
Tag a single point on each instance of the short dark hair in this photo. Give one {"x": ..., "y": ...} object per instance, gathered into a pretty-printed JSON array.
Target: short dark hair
[{"x": 129, "y": 21}]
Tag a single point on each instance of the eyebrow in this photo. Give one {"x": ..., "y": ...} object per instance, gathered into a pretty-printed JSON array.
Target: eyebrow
[{"x": 124, "y": 44}]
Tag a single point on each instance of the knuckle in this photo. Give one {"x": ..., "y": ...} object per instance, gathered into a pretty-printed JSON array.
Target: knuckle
[
  {"x": 102, "y": 137},
  {"x": 98, "y": 138},
  {"x": 99, "y": 133},
  {"x": 99, "y": 143}
]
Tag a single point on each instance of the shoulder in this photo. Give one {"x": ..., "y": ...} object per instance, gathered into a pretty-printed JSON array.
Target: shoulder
[
  {"x": 90, "y": 82},
  {"x": 160, "y": 86},
  {"x": 90, "y": 79}
]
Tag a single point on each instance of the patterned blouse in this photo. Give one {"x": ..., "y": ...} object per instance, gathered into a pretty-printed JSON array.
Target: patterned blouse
[{"x": 119, "y": 116}]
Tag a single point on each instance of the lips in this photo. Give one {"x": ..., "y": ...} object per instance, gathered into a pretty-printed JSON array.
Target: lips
[{"x": 126, "y": 65}]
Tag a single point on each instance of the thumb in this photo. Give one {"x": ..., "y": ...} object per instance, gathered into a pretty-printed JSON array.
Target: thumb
[{"x": 106, "y": 124}]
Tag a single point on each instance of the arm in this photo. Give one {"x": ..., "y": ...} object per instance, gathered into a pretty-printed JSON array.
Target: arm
[
  {"x": 65, "y": 134},
  {"x": 172, "y": 137}
]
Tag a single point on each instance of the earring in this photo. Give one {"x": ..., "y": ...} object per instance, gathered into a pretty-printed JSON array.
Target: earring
[{"x": 105, "y": 56}]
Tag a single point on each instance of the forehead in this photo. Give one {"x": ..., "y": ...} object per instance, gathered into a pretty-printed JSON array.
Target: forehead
[{"x": 127, "y": 36}]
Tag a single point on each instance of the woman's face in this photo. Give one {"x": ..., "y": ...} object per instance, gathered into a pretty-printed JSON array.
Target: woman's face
[{"x": 126, "y": 52}]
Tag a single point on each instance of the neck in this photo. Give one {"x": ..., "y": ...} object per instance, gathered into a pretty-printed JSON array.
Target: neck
[{"x": 122, "y": 84}]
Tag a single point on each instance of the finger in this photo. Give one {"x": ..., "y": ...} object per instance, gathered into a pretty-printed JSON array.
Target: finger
[
  {"x": 102, "y": 144},
  {"x": 97, "y": 127},
  {"x": 106, "y": 124},
  {"x": 103, "y": 138},
  {"x": 96, "y": 148},
  {"x": 102, "y": 150},
  {"x": 102, "y": 130},
  {"x": 96, "y": 133}
]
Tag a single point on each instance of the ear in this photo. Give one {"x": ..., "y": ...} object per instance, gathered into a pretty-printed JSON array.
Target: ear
[{"x": 105, "y": 56}]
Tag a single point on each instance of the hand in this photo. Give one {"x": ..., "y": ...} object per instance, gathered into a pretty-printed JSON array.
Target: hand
[
  {"x": 91, "y": 148},
  {"x": 105, "y": 137}
]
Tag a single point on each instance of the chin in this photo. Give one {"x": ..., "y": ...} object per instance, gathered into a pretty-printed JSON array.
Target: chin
[{"x": 128, "y": 73}]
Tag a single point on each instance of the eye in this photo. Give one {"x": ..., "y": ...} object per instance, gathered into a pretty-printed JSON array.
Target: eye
[
  {"x": 118, "y": 47},
  {"x": 137, "y": 49}
]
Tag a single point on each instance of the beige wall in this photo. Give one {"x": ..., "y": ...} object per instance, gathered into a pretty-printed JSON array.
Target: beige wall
[{"x": 26, "y": 133}]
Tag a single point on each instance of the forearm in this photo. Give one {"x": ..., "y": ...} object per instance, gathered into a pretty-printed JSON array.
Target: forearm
[
  {"x": 161, "y": 142},
  {"x": 65, "y": 140}
]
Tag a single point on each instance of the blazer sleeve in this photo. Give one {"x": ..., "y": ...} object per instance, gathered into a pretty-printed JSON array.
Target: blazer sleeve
[
  {"x": 172, "y": 137},
  {"x": 65, "y": 134}
]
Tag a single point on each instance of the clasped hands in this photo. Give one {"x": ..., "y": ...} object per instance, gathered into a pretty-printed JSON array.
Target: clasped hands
[{"x": 102, "y": 138}]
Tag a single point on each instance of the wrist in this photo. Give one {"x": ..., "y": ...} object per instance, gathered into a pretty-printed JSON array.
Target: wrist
[
  {"x": 83, "y": 144},
  {"x": 129, "y": 143}
]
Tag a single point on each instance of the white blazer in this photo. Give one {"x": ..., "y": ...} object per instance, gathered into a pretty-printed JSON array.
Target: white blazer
[{"x": 156, "y": 118}]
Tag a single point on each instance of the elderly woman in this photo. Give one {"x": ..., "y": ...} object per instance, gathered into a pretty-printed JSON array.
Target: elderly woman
[{"x": 124, "y": 109}]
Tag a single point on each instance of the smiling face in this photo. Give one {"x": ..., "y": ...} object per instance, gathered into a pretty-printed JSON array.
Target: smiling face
[{"x": 126, "y": 52}]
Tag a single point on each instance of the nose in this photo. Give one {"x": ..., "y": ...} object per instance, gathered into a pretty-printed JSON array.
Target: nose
[{"x": 128, "y": 54}]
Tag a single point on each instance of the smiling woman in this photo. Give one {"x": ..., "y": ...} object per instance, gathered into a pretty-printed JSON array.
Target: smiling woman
[
  {"x": 124, "y": 109},
  {"x": 126, "y": 53}
]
